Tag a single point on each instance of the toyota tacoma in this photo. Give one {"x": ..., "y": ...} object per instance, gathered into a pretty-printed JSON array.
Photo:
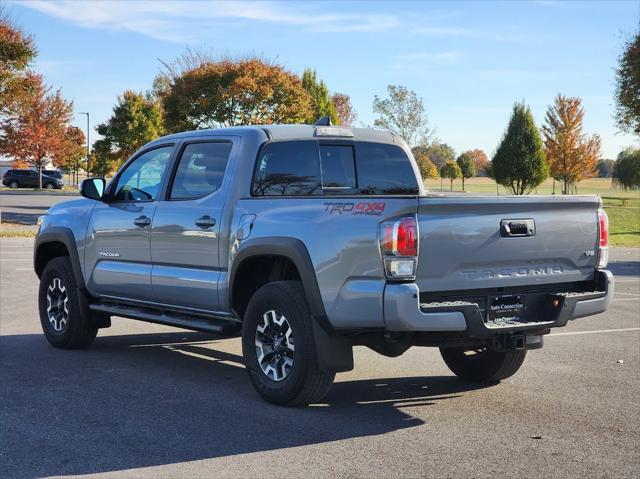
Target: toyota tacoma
[{"x": 306, "y": 240}]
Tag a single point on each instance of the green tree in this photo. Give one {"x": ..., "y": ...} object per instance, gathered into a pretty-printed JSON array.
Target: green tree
[
  {"x": 605, "y": 168},
  {"x": 403, "y": 112},
  {"x": 519, "y": 163},
  {"x": 450, "y": 170},
  {"x": 437, "y": 153},
  {"x": 103, "y": 159},
  {"x": 481, "y": 160},
  {"x": 427, "y": 168},
  {"x": 626, "y": 171},
  {"x": 467, "y": 164},
  {"x": 228, "y": 93},
  {"x": 136, "y": 120},
  {"x": 321, "y": 103},
  {"x": 627, "y": 87}
]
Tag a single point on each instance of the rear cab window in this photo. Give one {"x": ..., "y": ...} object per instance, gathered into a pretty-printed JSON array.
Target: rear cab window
[{"x": 312, "y": 167}]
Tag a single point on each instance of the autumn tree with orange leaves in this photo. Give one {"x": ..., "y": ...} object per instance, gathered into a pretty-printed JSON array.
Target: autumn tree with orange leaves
[
  {"x": 344, "y": 109},
  {"x": 227, "y": 93},
  {"x": 35, "y": 131},
  {"x": 572, "y": 154},
  {"x": 17, "y": 51}
]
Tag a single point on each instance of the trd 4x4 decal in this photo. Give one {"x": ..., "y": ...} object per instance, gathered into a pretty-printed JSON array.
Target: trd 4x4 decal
[{"x": 369, "y": 208}]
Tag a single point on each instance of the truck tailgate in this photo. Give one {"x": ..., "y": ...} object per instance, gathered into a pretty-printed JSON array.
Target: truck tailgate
[{"x": 464, "y": 247}]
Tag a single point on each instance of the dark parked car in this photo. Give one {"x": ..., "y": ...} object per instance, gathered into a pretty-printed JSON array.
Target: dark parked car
[
  {"x": 53, "y": 173},
  {"x": 29, "y": 179}
]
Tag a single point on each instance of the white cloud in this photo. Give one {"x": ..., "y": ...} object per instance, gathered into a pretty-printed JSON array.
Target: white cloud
[{"x": 180, "y": 21}]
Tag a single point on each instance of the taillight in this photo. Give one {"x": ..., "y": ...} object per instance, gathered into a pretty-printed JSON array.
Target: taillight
[
  {"x": 603, "y": 235},
  {"x": 399, "y": 247}
]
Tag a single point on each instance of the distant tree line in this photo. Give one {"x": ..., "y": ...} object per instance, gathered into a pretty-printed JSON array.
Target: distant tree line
[{"x": 199, "y": 90}]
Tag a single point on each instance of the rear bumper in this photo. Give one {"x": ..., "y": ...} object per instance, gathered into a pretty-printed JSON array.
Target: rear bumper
[{"x": 403, "y": 311}]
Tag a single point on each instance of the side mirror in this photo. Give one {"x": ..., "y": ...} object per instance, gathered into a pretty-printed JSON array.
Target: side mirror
[{"x": 93, "y": 188}]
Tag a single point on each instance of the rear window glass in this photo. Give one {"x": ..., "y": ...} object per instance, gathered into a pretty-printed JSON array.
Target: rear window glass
[
  {"x": 291, "y": 168},
  {"x": 288, "y": 168},
  {"x": 384, "y": 170},
  {"x": 338, "y": 168}
]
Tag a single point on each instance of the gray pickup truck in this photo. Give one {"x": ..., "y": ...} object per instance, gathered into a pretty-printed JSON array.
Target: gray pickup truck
[{"x": 308, "y": 240}]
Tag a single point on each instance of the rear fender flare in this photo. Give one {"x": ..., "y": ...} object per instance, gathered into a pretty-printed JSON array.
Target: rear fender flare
[{"x": 334, "y": 352}]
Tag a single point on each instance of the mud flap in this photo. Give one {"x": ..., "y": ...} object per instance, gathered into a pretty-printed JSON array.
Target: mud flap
[
  {"x": 95, "y": 319},
  {"x": 335, "y": 353}
]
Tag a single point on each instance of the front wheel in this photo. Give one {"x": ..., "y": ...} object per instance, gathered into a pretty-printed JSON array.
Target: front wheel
[
  {"x": 482, "y": 364},
  {"x": 279, "y": 348},
  {"x": 48, "y": 186},
  {"x": 62, "y": 322},
  {"x": 13, "y": 184}
]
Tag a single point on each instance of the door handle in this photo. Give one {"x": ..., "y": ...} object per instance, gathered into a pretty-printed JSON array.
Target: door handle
[
  {"x": 517, "y": 228},
  {"x": 142, "y": 221},
  {"x": 205, "y": 222}
]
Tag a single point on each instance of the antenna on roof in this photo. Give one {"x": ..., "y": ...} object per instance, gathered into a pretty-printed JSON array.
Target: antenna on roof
[{"x": 323, "y": 121}]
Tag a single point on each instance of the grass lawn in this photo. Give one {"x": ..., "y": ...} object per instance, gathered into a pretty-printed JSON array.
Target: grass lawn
[
  {"x": 623, "y": 207},
  {"x": 11, "y": 230}
]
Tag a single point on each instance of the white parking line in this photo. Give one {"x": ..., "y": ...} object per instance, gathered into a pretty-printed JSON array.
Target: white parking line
[
  {"x": 628, "y": 294},
  {"x": 626, "y": 299},
  {"x": 595, "y": 332}
]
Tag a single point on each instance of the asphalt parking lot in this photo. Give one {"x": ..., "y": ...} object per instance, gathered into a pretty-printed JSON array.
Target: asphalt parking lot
[
  {"x": 24, "y": 206},
  {"x": 152, "y": 401}
]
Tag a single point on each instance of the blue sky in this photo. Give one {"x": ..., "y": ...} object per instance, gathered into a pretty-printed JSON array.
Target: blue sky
[{"x": 469, "y": 61}]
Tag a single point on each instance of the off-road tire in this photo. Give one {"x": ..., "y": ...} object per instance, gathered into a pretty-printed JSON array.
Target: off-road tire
[
  {"x": 305, "y": 382},
  {"x": 486, "y": 365},
  {"x": 77, "y": 333}
]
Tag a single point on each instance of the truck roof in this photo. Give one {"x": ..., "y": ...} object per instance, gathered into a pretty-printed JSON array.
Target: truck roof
[{"x": 289, "y": 132}]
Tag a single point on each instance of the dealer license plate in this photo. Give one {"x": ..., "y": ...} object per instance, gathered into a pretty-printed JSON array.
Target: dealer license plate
[{"x": 505, "y": 308}]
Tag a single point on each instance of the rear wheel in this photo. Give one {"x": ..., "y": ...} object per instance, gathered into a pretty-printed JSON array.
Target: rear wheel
[
  {"x": 13, "y": 184},
  {"x": 62, "y": 322},
  {"x": 279, "y": 348},
  {"x": 482, "y": 364}
]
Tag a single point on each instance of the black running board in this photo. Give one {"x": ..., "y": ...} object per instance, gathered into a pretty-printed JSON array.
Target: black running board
[{"x": 168, "y": 318}]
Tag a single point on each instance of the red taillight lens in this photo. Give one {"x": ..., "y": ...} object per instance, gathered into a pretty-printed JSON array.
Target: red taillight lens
[
  {"x": 407, "y": 238},
  {"x": 603, "y": 221},
  {"x": 603, "y": 243},
  {"x": 399, "y": 246}
]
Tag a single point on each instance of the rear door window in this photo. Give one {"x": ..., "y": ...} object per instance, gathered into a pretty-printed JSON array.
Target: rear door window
[{"x": 200, "y": 170}]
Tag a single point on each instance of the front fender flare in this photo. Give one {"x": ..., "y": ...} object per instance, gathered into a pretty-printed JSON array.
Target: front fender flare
[{"x": 64, "y": 235}]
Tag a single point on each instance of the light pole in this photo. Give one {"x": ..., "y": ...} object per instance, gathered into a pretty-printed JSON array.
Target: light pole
[{"x": 87, "y": 166}]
